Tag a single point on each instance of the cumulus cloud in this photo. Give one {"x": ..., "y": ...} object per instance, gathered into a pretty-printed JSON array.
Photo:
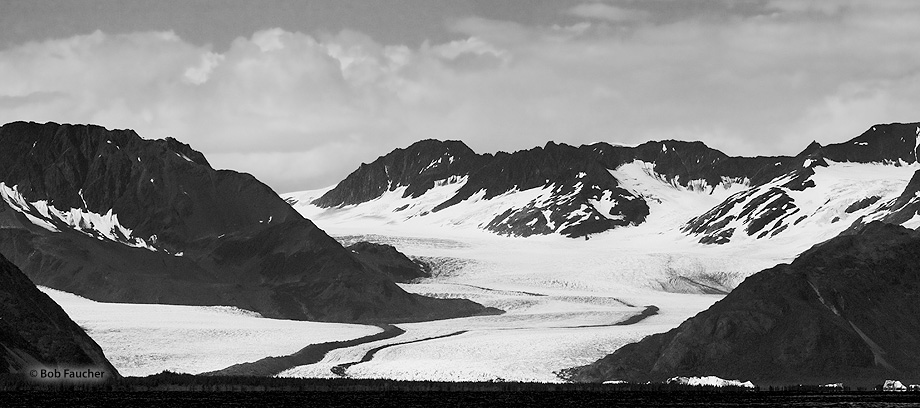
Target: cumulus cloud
[
  {"x": 199, "y": 74},
  {"x": 301, "y": 111}
]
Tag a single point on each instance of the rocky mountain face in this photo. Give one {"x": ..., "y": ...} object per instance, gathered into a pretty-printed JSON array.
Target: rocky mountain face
[
  {"x": 843, "y": 311},
  {"x": 417, "y": 168},
  {"x": 902, "y": 210},
  {"x": 573, "y": 183},
  {"x": 781, "y": 203},
  {"x": 388, "y": 261},
  {"x": 577, "y": 191},
  {"x": 113, "y": 217},
  {"x": 36, "y": 332}
]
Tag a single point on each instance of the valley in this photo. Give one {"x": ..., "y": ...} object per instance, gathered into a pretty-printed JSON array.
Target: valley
[
  {"x": 546, "y": 244},
  {"x": 561, "y": 296}
]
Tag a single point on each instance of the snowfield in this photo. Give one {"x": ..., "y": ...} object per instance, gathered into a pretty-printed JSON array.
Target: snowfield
[{"x": 562, "y": 296}]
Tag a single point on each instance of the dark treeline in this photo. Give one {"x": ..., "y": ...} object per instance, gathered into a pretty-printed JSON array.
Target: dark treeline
[{"x": 168, "y": 381}]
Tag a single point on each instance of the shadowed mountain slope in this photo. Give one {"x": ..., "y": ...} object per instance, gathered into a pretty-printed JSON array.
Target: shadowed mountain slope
[
  {"x": 386, "y": 259},
  {"x": 35, "y": 331},
  {"x": 116, "y": 218}
]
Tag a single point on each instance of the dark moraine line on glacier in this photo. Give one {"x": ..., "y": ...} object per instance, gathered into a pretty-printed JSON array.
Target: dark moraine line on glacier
[
  {"x": 340, "y": 369},
  {"x": 650, "y": 310},
  {"x": 498, "y": 290},
  {"x": 636, "y": 318},
  {"x": 311, "y": 354}
]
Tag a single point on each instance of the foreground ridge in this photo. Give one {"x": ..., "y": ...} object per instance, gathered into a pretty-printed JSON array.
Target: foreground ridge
[{"x": 36, "y": 333}]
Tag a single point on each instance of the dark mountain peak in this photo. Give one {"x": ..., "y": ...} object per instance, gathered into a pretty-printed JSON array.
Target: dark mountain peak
[
  {"x": 521, "y": 170},
  {"x": 686, "y": 146},
  {"x": 811, "y": 157},
  {"x": 812, "y": 148},
  {"x": 417, "y": 167},
  {"x": 575, "y": 182},
  {"x": 433, "y": 148},
  {"x": 892, "y": 143},
  {"x": 552, "y": 146},
  {"x": 843, "y": 311},
  {"x": 161, "y": 190},
  {"x": 672, "y": 146},
  {"x": 35, "y": 330},
  {"x": 689, "y": 162}
]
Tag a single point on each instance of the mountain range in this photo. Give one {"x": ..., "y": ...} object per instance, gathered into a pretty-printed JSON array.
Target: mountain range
[
  {"x": 112, "y": 217},
  {"x": 579, "y": 191}
]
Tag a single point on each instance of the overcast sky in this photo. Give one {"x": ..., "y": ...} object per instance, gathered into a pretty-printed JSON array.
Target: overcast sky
[{"x": 299, "y": 93}]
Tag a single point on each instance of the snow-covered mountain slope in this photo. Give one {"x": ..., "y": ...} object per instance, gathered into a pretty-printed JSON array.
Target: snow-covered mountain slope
[
  {"x": 817, "y": 203},
  {"x": 670, "y": 206},
  {"x": 903, "y": 210},
  {"x": 824, "y": 191},
  {"x": 556, "y": 189},
  {"x": 542, "y": 210},
  {"x": 580, "y": 192}
]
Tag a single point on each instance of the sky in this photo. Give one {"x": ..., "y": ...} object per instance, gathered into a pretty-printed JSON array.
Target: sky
[{"x": 300, "y": 93}]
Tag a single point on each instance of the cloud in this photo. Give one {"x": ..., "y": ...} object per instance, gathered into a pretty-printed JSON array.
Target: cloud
[
  {"x": 302, "y": 111},
  {"x": 607, "y": 12},
  {"x": 198, "y": 75},
  {"x": 857, "y": 105},
  {"x": 798, "y": 6}
]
